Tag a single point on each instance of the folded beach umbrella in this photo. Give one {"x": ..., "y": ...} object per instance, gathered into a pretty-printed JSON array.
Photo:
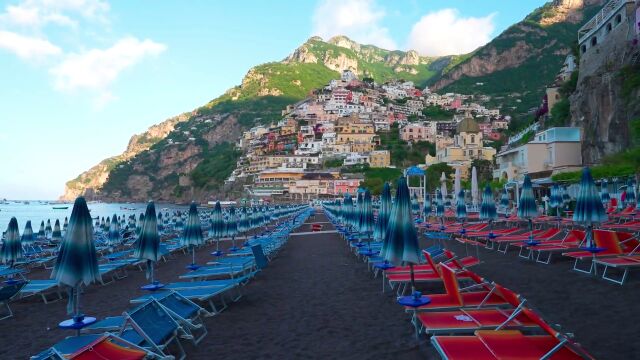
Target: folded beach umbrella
[
  {"x": 439, "y": 204},
  {"x": 107, "y": 225},
  {"x": 192, "y": 235},
  {"x": 114, "y": 237},
  {"x": 461, "y": 207},
  {"x": 11, "y": 249},
  {"x": 243, "y": 224},
  {"x": 527, "y": 208},
  {"x": 160, "y": 222},
  {"x": 47, "y": 228},
  {"x": 589, "y": 209},
  {"x": 415, "y": 204},
  {"x": 65, "y": 225},
  {"x": 147, "y": 246},
  {"x": 555, "y": 201},
  {"x": 140, "y": 223},
  {"x": 77, "y": 261},
  {"x": 347, "y": 209},
  {"x": 427, "y": 208},
  {"x": 504, "y": 201},
  {"x": 27, "y": 235},
  {"x": 383, "y": 215},
  {"x": 474, "y": 187},
  {"x": 488, "y": 206},
  {"x": 604, "y": 191},
  {"x": 217, "y": 226},
  {"x": 631, "y": 193},
  {"x": 56, "y": 234},
  {"x": 231, "y": 227},
  {"x": 366, "y": 221},
  {"x": 41, "y": 233}
]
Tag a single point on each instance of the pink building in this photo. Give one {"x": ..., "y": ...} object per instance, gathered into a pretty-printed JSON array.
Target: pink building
[
  {"x": 343, "y": 186},
  {"x": 456, "y": 103},
  {"x": 486, "y": 128},
  {"x": 416, "y": 132}
]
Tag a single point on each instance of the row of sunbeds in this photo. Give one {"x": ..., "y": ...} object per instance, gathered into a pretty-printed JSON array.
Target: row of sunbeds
[{"x": 158, "y": 322}]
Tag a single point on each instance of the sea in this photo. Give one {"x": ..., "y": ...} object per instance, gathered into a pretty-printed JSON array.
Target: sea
[{"x": 38, "y": 211}]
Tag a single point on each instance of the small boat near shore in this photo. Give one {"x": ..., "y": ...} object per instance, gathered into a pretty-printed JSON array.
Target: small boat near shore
[{"x": 60, "y": 207}]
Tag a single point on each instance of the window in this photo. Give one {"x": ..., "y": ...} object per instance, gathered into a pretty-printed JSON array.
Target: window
[
  {"x": 473, "y": 139},
  {"x": 594, "y": 41},
  {"x": 609, "y": 27},
  {"x": 618, "y": 19},
  {"x": 583, "y": 49}
]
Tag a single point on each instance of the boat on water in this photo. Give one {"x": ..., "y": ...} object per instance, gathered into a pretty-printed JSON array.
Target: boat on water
[{"x": 60, "y": 207}]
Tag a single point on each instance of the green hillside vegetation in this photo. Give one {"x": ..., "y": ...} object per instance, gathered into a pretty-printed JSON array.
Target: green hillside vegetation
[
  {"x": 404, "y": 154},
  {"x": 217, "y": 164}
]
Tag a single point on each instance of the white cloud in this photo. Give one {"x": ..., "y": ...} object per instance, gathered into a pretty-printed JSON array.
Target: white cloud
[
  {"x": 357, "y": 19},
  {"x": 26, "y": 47},
  {"x": 445, "y": 32},
  {"x": 96, "y": 69},
  {"x": 38, "y": 13}
]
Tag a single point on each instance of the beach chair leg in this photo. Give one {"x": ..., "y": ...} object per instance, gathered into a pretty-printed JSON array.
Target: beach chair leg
[
  {"x": 577, "y": 268},
  {"x": 547, "y": 261},
  {"x": 528, "y": 255},
  {"x": 617, "y": 281},
  {"x": 9, "y": 312}
]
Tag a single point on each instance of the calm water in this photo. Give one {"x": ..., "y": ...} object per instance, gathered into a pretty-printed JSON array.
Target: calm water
[{"x": 37, "y": 212}]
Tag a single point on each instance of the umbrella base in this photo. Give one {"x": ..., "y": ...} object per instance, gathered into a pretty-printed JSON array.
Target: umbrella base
[
  {"x": 153, "y": 286},
  {"x": 233, "y": 249},
  {"x": 193, "y": 267},
  {"x": 217, "y": 253}
]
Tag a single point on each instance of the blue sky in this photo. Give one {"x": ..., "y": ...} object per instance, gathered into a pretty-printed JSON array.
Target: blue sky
[{"x": 79, "y": 77}]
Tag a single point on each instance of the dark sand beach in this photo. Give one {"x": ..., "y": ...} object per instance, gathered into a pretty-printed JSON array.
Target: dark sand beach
[{"x": 316, "y": 300}]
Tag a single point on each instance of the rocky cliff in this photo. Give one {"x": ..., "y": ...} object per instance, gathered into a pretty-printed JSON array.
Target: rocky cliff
[
  {"x": 607, "y": 96},
  {"x": 518, "y": 64}
]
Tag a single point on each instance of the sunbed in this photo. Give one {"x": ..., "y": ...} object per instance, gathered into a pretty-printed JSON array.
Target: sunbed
[
  {"x": 455, "y": 297},
  {"x": 468, "y": 320},
  {"x": 610, "y": 242},
  {"x": 571, "y": 241},
  {"x": 622, "y": 262},
  {"x": 42, "y": 288},
  {"x": 95, "y": 346},
  {"x": 510, "y": 344},
  {"x": 542, "y": 235},
  {"x": 7, "y": 293}
]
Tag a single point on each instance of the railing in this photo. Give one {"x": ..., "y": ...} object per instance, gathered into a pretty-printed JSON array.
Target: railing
[{"x": 601, "y": 17}]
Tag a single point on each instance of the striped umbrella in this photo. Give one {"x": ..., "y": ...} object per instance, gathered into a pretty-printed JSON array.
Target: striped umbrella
[
  {"x": 461, "y": 207},
  {"x": 347, "y": 209},
  {"x": 504, "y": 201},
  {"x": 139, "y": 224},
  {"x": 527, "y": 208},
  {"x": 366, "y": 222},
  {"x": 11, "y": 249},
  {"x": 555, "y": 201},
  {"x": 440, "y": 206},
  {"x": 232, "y": 228},
  {"x": 192, "y": 235},
  {"x": 147, "y": 246},
  {"x": 488, "y": 208},
  {"x": 47, "y": 229},
  {"x": 415, "y": 204},
  {"x": 41, "y": 233},
  {"x": 56, "y": 234},
  {"x": 27, "y": 235},
  {"x": 604, "y": 191},
  {"x": 77, "y": 261},
  {"x": 107, "y": 225},
  {"x": 589, "y": 209},
  {"x": 217, "y": 226},
  {"x": 65, "y": 225},
  {"x": 427, "y": 208},
  {"x": 615, "y": 193},
  {"x": 383, "y": 215},
  {"x": 114, "y": 237},
  {"x": 243, "y": 225},
  {"x": 566, "y": 199},
  {"x": 457, "y": 178},
  {"x": 402, "y": 244},
  {"x": 631, "y": 193},
  {"x": 160, "y": 222}
]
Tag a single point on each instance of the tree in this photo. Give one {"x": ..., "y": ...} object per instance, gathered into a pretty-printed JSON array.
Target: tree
[
  {"x": 484, "y": 169},
  {"x": 434, "y": 172}
]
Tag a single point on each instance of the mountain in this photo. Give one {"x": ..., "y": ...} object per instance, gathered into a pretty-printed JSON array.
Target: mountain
[
  {"x": 515, "y": 67},
  {"x": 189, "y": 156}
]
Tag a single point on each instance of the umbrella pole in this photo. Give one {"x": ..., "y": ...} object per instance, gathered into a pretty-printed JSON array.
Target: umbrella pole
[
  {"x": 193, "y": 254},
  {"x": 413, "y": 281},
  {"x": 530, "y": 229},
  {"x": 151, "y": 267}
]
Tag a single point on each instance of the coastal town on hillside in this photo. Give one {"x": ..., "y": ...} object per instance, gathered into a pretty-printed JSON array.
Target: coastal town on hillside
[{"x": 341, "y": 126}]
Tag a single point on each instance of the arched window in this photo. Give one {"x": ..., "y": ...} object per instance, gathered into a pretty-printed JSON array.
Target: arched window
[
  {"x": 594, "y": 41},
  {"x": 583, "y": 49},
  {"x": 473, "y": 139},
  {"x": 609, "y": 27},
  {"x": 618, "y": 19}
]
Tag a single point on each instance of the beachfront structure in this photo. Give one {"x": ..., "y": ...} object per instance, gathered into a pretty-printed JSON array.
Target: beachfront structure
[
  {"x": 467, "y": 146},
  {"x": 614, "y": 15},
  {"x": 551, "y": 151}
]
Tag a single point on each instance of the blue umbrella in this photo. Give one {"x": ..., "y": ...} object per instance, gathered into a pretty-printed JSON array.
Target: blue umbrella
[
  {"x": 488, "y": 208},
  {"x": 461, "y": 207},
  {"x": 47, "y": 229},
  {"x": 56, "y": 234},
  {"x": 366, "y": 223},
  {"x": 527, "y": 208},
  {"x": 604, "y": 192},
  {"x": 41, "y": 233},
  {"x": 147, "y": 246},
  {"x": 402, "y": 246},
  {"x": 27, "y": 235},
  {"x": 555, "y": 201},
  {"x": 192, "y": 235},
  {"x": 383, "y": 215},
  {"x": 217, "y": 226},
  {"x": 232, "y": 228},
  {"x": 589, "y": 209},
  {"x": 77, "y": 261},
  {"x": 504, "y": 201},
  {"x": 347, "y": 206},
  {"x": 65, "y": 225},
  {"x": 114, "y": 232},
  {"x": 631, "y": 193},
  {"x": 139, "y": 224},
  {"x": 415, "y": 205},
  {"x": 11, "y": 249},
  {"x": 427, "y": 208}
]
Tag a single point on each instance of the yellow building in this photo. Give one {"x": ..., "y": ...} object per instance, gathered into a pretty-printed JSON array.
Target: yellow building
[
  {"x": 350, "y": 130},
  {"x": 379, "y": 159},
  {"x": 467, "y": 146},
  {"x": 362, "y": 147}
]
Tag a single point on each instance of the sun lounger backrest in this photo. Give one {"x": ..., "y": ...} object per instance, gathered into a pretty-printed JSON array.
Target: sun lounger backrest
[
  {"x": 627, "y": 241},
  {"x": 608, "y": 240},
  {"x": 540, "y": 322},
  {"x": 180, "y": 305},
  {"x": 106, "y": 348},
  {"x": 511, "y": 297},
  {"x": 575, "y": 235},
  {"x": 9, "y": 291},
  {"x": 156, "y": 323},
  {"x": 258, "y": 254},
  {"x": 430, "y": 261},
  {"x": 451, "y": 285}
]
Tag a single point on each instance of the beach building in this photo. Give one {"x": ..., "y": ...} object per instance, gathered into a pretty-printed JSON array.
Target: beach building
[{"x": 551, "y": 151}]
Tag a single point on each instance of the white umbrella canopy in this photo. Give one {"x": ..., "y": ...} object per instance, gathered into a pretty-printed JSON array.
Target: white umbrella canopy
[
  {"x": 474, "y": 186},
  {"x": 443, "y": 185},
  {"x": 456, "y": 182}
]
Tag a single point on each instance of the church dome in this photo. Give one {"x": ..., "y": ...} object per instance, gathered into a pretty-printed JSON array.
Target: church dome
[{"x": 468, "y": 125}]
